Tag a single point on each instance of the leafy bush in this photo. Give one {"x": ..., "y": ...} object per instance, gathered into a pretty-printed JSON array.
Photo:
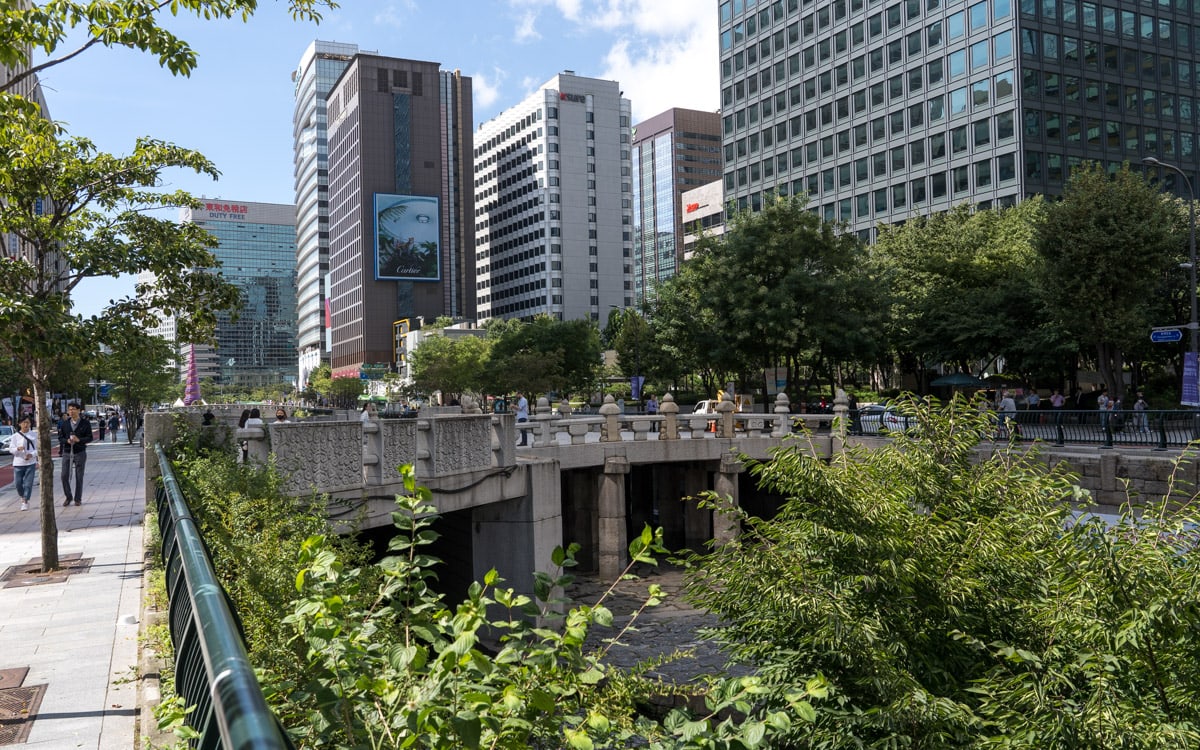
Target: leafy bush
[{"x": 954, "y": 601}]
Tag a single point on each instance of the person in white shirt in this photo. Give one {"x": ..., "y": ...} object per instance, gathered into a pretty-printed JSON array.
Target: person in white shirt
[{"x": 23, "y": 446}]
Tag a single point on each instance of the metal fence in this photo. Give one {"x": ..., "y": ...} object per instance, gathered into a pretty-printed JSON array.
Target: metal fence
[
  {"x": 1161, "y": 429},
  {"x": 212, "y": 671}
]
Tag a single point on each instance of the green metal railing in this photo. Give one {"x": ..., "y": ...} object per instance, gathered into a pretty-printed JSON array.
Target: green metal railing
[{"x": 212, "y": 670}]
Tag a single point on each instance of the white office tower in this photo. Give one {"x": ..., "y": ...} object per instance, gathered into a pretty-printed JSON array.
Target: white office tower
[
  {"x": 554, "y": 204},
  {"x": 319, "y": 67}
]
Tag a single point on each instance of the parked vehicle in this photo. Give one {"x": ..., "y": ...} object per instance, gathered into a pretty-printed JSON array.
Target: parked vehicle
[
  {"x": 6, "y": 433},
  {"x": 876, "y": 419}
]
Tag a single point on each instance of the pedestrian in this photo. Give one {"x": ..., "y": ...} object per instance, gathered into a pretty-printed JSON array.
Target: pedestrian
[
  {"x": 368, "y": 412},
  {"x": 1057, "y": 400},
  {"x": 255, "y": 419},
  {"x": 242, "y": 420},
  {"x": 114, "y": 424},
  {"x": 1140, "y": 423},
  {"x": 523, "y": 416},
  {"x": 281, "y": 415},
  {"x": 74, "y": 433},
  {"x": 852, "y": 409},
  {"x": 1008, "y": 415},
  {"x": 23, "y": 446},
  {"x": 101, "y": 425},
  {"x": 1103, "y": 405},
  {"x": 652, "y": 410}
]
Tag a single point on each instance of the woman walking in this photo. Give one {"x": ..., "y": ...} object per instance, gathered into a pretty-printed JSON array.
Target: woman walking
[{"x": 23, "y": 446}]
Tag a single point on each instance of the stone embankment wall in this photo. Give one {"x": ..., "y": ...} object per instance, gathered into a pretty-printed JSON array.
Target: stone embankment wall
[{"x": 1115, "y": 477}]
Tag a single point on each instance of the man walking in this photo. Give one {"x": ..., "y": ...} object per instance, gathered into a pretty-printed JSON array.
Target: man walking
[{"x": 74, "y": 433}]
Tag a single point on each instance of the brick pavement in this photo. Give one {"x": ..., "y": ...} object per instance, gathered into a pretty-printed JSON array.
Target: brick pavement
[{"x": 78, "y": 635}]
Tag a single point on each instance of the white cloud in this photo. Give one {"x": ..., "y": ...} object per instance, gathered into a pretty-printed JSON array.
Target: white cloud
[
  {"x": 526, "y": 30},
  {"x": 485, "y": 88},
  {"x": 663, "y": 52},
  {"x": 395, "y": 13},
  {"x": 667, "y": 64}
]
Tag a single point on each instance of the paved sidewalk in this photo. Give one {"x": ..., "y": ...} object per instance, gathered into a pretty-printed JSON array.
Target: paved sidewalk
[{"x": 78, "y": 636}]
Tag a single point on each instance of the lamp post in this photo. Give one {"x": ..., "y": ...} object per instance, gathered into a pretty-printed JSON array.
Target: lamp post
[{"x": 1193, "y": 322}]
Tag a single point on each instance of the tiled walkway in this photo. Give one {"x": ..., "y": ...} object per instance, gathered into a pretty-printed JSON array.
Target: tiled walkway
[{"x": 78, "y": 634}]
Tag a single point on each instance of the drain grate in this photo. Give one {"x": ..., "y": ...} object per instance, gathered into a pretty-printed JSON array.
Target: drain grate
[
  {"x": 30, "y": 573},
  {"x": 18, "y": 709},
  {"x": 12, "y": 677}
]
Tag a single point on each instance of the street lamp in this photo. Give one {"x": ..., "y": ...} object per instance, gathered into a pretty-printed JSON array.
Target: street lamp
[{"x": 1194, "y": 321}]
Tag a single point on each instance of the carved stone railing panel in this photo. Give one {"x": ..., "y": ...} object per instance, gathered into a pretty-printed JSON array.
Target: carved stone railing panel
[
  {"x": 457, "y": 444},
  {"x": 325, "y": 456},
  {"x": 399, "y": 446}
]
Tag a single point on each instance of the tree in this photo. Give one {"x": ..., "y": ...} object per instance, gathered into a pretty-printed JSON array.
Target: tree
[
  {"x": 546, "y": 355},
  {"x": 453, "y": 366},
  {"x": 785, "y": 288},
  {"x": 134, "y": 24},
  {"x": 953, "y": 602},
  {"x": 80, "y": 214},
  {"x": 965, "y": 287},
  {"x": 138, "y": 366},
  {"x": 1101, "y": 299},
  {"x": 344, "y": 392}
]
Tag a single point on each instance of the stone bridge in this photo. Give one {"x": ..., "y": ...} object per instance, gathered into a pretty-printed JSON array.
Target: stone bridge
[{"x": 590, "y": 479}]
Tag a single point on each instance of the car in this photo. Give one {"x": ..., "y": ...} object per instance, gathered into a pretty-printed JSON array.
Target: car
[
  {"x": 6, "y": 433},
  {"x": 876, "y": 419}
]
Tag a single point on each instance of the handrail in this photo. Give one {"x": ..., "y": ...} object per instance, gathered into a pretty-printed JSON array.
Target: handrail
[{"x": 223, "y": 686}]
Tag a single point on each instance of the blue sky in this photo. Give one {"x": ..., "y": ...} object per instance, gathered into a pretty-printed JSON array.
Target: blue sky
[{"x": 236, "y": 108}]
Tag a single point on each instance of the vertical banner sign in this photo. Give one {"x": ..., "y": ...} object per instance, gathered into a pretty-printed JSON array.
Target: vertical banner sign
[{"x": 1191, "y": 391}]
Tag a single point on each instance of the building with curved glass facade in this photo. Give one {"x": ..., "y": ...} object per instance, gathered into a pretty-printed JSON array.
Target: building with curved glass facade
[{"x": 256, "y": 245}]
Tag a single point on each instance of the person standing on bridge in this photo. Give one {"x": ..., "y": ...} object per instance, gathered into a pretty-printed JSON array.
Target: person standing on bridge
[
  {"x": 1140, "y": 423},
  {"x": 523, "y": 416}
]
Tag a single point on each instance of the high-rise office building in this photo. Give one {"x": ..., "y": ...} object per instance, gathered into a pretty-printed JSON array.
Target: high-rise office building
[
  {"x": 319, "y": 67},
  {"x": 256, "y": 245},
  {"x": 884, "y": 110},
  {"x": 554, "y": 204},
  {"x": 400, "y": 204},
  {"x": 673, "y": 152}
]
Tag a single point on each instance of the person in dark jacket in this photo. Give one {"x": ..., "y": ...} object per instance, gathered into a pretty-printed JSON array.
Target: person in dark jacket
[{"x": 74, "y": 433}]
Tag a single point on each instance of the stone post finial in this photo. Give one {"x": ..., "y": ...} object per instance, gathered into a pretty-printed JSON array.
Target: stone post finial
[
  {"x": 610, "y": 430},
  {"x": 841, "y": 412},
  {"x": 725, "y": 409},
  {"x": 783, "y": 416},
  {"x": 670, "y": 414}
]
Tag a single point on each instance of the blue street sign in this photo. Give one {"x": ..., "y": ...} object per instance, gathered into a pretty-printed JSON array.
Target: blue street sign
[{"x": 1167, "y": 335}]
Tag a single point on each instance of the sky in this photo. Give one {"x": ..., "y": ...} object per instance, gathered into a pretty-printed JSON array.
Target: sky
[{"x": 236, "y": 107}]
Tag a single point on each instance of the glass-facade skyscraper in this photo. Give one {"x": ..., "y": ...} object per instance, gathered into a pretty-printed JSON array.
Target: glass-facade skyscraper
[
  {"x": 257, "y": 250},
  {"x": 880, "y": 111},
  {"x": 673, "y": 152},
  {"x": 319, "y": 67}
]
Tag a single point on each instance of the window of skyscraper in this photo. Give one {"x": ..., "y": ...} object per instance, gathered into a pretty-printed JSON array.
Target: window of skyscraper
[
  {"x": 937, "y": 146},
  {"x": 979, "y": 93},
  {"x": 957, "y": 63},
  {"x": 937, "y": 108},
  {"x": 916, "y": 153},
  {"x": 956, "y": 25},
  {"x": 1006, "y": 167},
  {"x": 933, "y": 35},
  {"x": 937, "y": 183},
  {"x": 934, "y": 72},
  {"x": 983, "y": 132},
  {"x": 894, "y": 18},
  {"x": 1050, "y": 46},
  {"x": 917, "y": 190},
  {"x": 979, "y": 55}
]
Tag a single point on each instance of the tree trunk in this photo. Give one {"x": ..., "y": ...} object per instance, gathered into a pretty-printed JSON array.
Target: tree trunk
[
  {"x": 1108, "y": 363},
  {"x": 45, "y": 429}
]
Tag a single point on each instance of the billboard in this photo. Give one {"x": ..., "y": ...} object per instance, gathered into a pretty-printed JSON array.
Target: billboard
[{"x": 407, "y": 238}]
